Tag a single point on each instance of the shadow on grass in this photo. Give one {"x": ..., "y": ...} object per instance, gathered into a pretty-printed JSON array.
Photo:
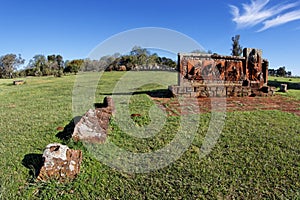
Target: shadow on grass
[
  {"x": 100, "y": 105},
  {"x": 161, "y": 93},
  {"x": 295, "y": 86},
  {"x": 66, "y": 134},
  {"x": 34, "y": 163}
]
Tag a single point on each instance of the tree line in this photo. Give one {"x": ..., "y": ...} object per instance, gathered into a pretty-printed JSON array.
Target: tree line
[
  {"x": 280, "y": 72},
  {"x": 138, "y": 59},
  {"x": 40, "y": 65}
]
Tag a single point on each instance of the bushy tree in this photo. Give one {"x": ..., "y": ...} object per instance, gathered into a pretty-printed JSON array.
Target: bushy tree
[
  {"x": 39, "y": 64},
  {"x": 8, "y": 64},
  {"x": 55, "y": 62},
  {"x": 60, "y": 62},
  {"x": 281, "y": 71},
  {"x": 237, "y": 49},
  {"x": 168, "y": 62},
  {"x": 73, "y": 66}
]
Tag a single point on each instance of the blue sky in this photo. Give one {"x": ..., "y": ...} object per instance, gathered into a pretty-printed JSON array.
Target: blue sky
[{"x": 73, "y": 28}]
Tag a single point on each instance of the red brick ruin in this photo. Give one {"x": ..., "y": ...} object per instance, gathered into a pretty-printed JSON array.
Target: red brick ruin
[{"x": 212, "y": 75}]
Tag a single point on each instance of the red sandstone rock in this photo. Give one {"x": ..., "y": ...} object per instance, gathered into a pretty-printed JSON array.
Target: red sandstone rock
[
  {"x": 108, "y": 102},
  {"x": 93, "y": 126},
  {"x": 60, "y": 163}
]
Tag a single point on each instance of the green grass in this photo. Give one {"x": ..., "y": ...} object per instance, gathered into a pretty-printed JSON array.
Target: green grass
[
  {"x": 295, "y": 94},
  {"x": 284, "y": 79},
  {"x": 257, "y": 154}
]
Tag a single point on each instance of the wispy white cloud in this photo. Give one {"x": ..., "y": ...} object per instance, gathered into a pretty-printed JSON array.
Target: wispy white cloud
[
  {"x": 288, "y": 17},
  {"x": 257, "y": 12}
]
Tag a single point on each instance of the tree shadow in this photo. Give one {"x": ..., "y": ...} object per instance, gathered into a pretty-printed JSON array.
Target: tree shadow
[
  {"x": 294, "y": 86},
  {"x": 66, "y": 134},
  {"x": 34, "y": 163},
  {"x": 159, "y": 93}
]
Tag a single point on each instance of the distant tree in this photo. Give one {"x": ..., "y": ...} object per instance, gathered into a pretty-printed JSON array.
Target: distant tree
[
  {"x": 237, "y": 49},
  {"x": 105, "y": 61},
  {"x": 51, "y": 58},
  {"x": 110, "y": 59},
  {"x": 127, "y": 60},
  {"x": 141, "y": 59},
  {"x": 9, "y": 63},
  {"x": 271, "y": 72},
  {"x": 152, "y": 59},
  {"x": 168, "y": 62},
  {"x": 90, "y": 65},
  {"x": 52, "y": 62},
  {"x": 137, "y": 51},
  {"x": 281, "y": 71},
  {"x": 56, "y": 64},
  {"x": 74, "y": 66},
  {"x": 39, "y": 65},
  {"x": 60, "y": 62}
]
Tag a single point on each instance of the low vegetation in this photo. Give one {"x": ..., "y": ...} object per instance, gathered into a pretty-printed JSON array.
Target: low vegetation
[{"x": 257, "y": 154}]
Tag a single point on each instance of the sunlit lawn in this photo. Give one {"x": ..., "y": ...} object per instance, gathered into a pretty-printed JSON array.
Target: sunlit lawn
[
  {"x": 285, "y": 79},
  {"x": 257, "y": 154}
]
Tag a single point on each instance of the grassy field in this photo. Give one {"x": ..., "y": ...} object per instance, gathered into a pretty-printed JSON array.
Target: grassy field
[
  {"x": 291, "y": 93},
  {"x": 257, "y": 154},
  {"x": 284, "y": 79},
  {"x": 294, "y": 93}
]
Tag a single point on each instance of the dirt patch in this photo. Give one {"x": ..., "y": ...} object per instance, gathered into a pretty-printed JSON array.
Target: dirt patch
[{"x": 203, "y": 105}]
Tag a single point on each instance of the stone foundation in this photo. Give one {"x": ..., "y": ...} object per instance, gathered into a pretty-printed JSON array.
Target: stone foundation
[{"x": 220, "y": 91}]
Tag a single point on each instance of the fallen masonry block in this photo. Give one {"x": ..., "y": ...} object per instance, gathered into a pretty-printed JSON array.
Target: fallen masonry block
[
  {"x": 283, "y": 87},
  {"x": 18, "y": 82},
  {"x": 93, "y": 125},
  {"x": 60, "y": 163}
]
